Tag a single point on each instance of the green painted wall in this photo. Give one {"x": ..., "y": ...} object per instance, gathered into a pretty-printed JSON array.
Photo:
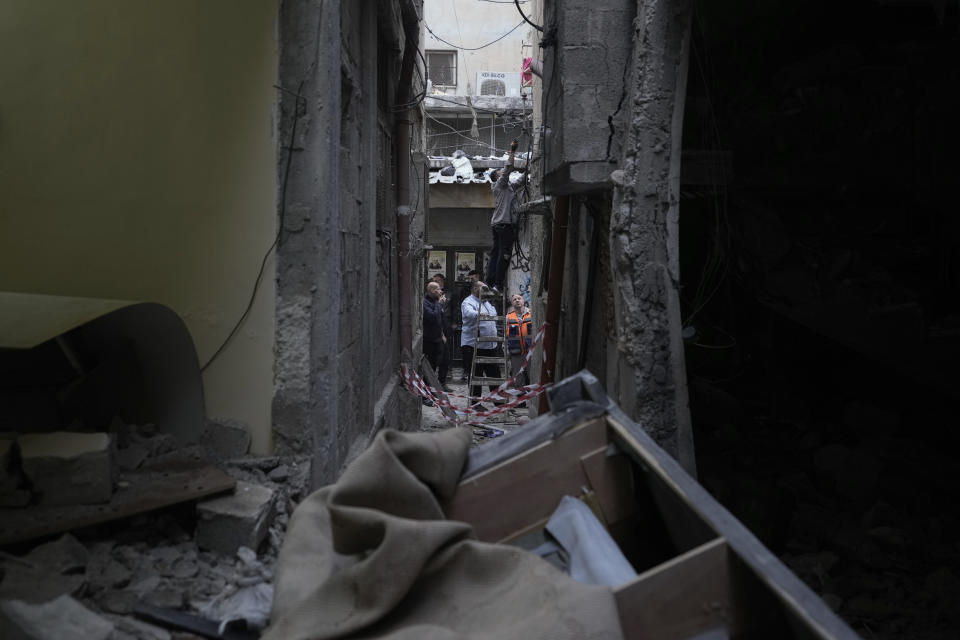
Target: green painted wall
[{"x": 138, "y": 162}]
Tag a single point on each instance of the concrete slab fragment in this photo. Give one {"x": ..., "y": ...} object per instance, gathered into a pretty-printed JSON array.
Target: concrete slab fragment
[
  {"x": 226, "y": 438},
  {"x": 60, "y": 619},
  {"x": 238, "y": 520}
]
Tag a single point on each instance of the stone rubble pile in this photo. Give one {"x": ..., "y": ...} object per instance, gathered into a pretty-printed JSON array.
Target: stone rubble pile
[{"x": 212, "y": 559}]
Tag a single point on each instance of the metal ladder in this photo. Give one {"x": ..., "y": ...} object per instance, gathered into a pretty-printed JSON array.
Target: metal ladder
[{"x": 501, "y": 337}]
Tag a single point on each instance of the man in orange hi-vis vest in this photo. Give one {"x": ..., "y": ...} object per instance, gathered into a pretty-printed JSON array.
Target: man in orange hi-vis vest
[{"x": 519, "y": 336}]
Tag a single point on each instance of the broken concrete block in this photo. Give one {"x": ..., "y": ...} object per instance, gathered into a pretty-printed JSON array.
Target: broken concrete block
[
  {"x": 60, "y": 619},
  {"x": 68, "y": 468},
  {"x": 36, "y": 584},
  {"x": 130, "y": 458},
  {"x": 226, "y": 438},
  {"x": 238, "y": 520},
  {"x": 156, "y": 444},
  {"x": 64, "y": 555}
]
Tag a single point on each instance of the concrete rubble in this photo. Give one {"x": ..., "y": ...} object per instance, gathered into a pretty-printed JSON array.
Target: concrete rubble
[
  {"x": 60, "y": 619},
  {"x": 67, "y": 468},
  {"x": 240, "y": 520},
  {"x": 214, "y": 560}
]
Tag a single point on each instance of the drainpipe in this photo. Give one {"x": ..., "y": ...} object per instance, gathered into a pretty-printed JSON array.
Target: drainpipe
[
  {"x": 558, "y": 250},
  {"x": 402, "y": 153}
]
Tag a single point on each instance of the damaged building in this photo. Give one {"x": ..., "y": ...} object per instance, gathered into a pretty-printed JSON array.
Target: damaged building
[
  {"x": 225, "y": 216},
  {"x": 217, "y": 221},
  {"x": 210, "y": 248},
  {"x": 755, "y": 256}
]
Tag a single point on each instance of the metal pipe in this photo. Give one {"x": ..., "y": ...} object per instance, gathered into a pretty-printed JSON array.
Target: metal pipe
[
  {"x": 558, "y": 250},
  {"x": 402, "y": 124}
]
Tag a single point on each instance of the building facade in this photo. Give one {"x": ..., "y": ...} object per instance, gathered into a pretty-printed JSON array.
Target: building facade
[{"x": 238, "y": 166}]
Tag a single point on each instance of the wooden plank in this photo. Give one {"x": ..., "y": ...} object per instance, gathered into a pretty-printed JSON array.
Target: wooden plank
[
  {"x": 799, "y": 604},
  {"x": 541, "y": 429},
  {"x": 680, "y": 598},
  {"x": 148, "y": 490},
  {"x": 527, "y": 488},
  {"x": 612, "y": 481}
]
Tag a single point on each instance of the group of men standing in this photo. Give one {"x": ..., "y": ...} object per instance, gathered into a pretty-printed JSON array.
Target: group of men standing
[
  {"x": 438, "y": 330},
  {"x": 437, "y": 327}
]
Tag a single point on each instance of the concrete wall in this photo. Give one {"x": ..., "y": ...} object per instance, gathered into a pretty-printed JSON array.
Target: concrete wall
[
  {"x": 469, "y": 23},
  {"x": 138, "y": 163},
  {"x": 338, "y": 347},
  {"x": 584, "y": 73}
]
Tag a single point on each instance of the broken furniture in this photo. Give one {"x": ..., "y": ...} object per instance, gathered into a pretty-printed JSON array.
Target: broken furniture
[{"x": 700, "y": 570}]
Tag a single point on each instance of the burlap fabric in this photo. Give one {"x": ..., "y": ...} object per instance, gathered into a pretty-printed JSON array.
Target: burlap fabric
[{"x": 373, "y": 557}]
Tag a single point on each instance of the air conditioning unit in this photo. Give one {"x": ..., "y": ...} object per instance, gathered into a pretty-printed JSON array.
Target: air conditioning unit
[{"x": 498, "y": 83}]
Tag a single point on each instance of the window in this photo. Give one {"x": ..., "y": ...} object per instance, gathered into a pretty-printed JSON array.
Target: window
[{"x": 442, "y": 68}]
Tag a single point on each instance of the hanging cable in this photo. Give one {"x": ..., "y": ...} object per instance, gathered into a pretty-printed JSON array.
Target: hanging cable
[
  {"x": 300, "y": 101},
  {"x": 455, "y": 46},
  {"x": 481, "y": 109},
  {"x": 423, "y": 94},
  {"x": 517, "y": 3}
]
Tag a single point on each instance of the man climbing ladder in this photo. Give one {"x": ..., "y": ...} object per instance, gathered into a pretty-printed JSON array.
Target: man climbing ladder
[{"x": 507, "y": 184}]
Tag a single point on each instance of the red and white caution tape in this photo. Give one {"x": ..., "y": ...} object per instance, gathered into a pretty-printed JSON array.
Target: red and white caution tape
[{"x": 506, "y": 394}]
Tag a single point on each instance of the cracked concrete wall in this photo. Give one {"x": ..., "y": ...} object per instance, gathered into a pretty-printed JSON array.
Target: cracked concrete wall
[
  {"x": 650, "y": 382},
  {"x": 613, "y": 95},
  {"x": 586, "y": 57},
  {"x": 337, "y": 303}
]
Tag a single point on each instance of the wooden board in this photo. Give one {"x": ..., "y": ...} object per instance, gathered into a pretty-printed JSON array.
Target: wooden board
[
  {"x": 680, "y": 598},
  {"x": 610, "y": 477},
  {"x": 524, "y": 490},
  {"x": 148, "y": 490},
  {"x": 691, "y": 513}
]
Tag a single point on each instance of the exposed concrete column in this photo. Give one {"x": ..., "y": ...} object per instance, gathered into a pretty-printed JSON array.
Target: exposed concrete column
[
  {"x": 305, "y": 407},
  {"x": 650, "y": 381}
]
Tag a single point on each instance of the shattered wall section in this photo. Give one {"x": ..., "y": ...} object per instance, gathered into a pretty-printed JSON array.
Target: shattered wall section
[
  {"x": 650, "y": 380},
  {"x": 586, "y": 55},
  {"x": 337, "y": 324}
]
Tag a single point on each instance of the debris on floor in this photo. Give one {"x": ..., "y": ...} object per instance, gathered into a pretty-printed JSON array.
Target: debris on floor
[{"x": 155, "y": 545}]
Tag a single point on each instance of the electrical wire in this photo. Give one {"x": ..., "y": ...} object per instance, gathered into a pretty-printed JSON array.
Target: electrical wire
[
  {"x": 466, "y": 67},
  {"x": 526, "y": 19},
  {"x": 454, "y": 131},
  {"x": 276, "y": 240},
  {"x": 455, "y": 46},
  {"x": 481, "y": 109},
  {"x": 511, "y": 125},
  {"x": 423, "y": 94}
]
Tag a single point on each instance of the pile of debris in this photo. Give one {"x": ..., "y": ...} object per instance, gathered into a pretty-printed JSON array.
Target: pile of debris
[
  {"x": 459, "y": 168},
  {"x": 143, "y": 544}
]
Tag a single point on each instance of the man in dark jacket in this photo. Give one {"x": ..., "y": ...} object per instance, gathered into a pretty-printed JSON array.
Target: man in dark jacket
[
  {"x": 506, "y": 198},
  {"x": 433, "y": 337},
  {"x": 445, "y": 353}
]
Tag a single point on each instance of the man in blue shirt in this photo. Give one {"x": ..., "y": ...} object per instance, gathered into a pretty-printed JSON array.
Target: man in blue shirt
[{"x": 471, "y": 309}]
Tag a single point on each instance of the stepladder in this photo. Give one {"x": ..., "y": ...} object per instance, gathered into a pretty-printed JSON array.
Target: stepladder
[{"x": 482, "y": 364}]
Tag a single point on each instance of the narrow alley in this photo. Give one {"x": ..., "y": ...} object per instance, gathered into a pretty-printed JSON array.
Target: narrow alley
[{"x": 554, "y": 319}]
